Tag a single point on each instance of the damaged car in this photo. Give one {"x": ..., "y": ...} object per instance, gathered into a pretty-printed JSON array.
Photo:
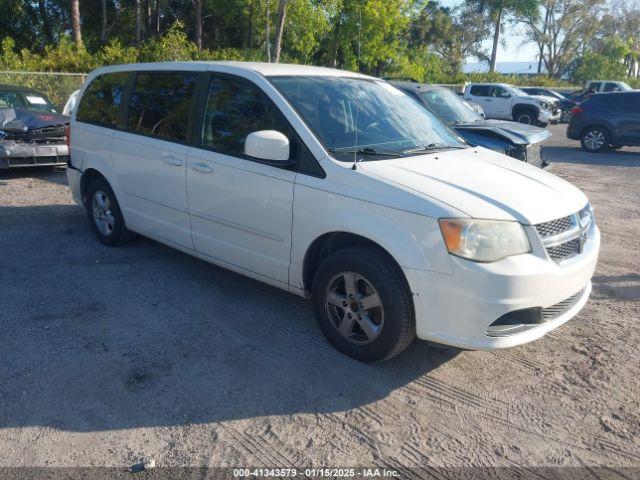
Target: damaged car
[
  {"x": 32, "y": 132},
  {"x": 514, "y": 139}
]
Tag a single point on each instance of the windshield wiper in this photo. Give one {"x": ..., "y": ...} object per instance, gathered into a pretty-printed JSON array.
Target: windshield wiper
[
  {"x": 434, "y": 147},
  {"x": 368, "y": 151}
]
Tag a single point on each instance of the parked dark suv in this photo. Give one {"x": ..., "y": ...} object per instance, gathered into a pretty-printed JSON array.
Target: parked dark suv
[{"x": 607, "y": 120}]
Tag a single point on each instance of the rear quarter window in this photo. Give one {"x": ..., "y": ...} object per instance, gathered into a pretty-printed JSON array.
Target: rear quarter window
[{"x": 102, "y": 100}]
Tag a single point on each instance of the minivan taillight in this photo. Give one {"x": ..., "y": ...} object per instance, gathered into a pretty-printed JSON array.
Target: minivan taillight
[{"x": 577, "y": 110}]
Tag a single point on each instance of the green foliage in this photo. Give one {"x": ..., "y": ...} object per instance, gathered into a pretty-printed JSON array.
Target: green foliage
[
  {"x": 420, "y": 39},
  {"x": 593, "y": 65}
]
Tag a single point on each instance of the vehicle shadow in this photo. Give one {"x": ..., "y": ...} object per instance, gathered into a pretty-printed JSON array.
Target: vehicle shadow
[
  {"x": 50, "y": 174},
  {"x": 99, "y": 338},
  {"x": 628, "y": 157},
  {"x": 622, "y": 287}
]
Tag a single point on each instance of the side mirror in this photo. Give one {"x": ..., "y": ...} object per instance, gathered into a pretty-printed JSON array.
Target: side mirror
[{"x": 267, "y": 145}]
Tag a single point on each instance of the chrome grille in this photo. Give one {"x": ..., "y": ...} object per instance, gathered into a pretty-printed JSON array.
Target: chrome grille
[
  {"x": 565, "y": 237},
  {"x": 559, "y": 308},
  {"x": 555, "y": 227},
  {"x": 564, "y": 250}
]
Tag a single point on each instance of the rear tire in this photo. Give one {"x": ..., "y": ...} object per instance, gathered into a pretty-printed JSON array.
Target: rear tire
[
  {"x": 104, "y": 214},
  {"x": 595, "y": 139},
  {"x": 363, "y": 304}
]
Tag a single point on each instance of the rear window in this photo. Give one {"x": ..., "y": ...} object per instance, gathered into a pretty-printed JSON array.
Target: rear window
[
  {"x": 101, "y": 101},
  {"x": 160, "y": 104}
]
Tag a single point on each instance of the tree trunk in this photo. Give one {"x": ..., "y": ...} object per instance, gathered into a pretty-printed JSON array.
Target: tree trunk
[
  {"x": 138, "y": 22},
  {"x": 46, "y": 25},
  {"x": 197, "y": 4},
  {"x": 541, "y": 41},
  {"x": 250, "y": 29},
  {"x": 148, "y": 14},
  {"x": 103, "y": 24},
  {"x": 156, "y": 18},
  {"x": 282, "y": 13},
  {"x": 496, "y": 40},
  {"x": 75, "y": 22},
  {"x": 267, "y": 33}
]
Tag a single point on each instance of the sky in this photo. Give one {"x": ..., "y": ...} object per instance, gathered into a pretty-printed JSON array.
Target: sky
[{"x": 517, "y": 48}]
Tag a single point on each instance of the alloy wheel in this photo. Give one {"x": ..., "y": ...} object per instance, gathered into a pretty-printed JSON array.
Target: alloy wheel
[
  {"x": 102, "y": 215},
  {"x": 354, "y": 307},
  {"x": 594, "y": 140},
  {"x": 525, "y": 118}
]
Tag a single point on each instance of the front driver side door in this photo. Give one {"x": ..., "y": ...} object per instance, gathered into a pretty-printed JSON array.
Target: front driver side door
[{"x": 240, "y": 207}]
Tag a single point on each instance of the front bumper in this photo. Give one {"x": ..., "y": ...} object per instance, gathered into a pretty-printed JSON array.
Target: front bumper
[
  {"x": 20, "y": 154},
  {"x": 573, "y": 131},
  {"x": 458, "y": 309},
  {"x": 546, "y": 116}
]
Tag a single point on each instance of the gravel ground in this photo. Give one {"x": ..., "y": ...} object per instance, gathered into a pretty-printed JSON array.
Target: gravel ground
[{"x": 110, "y": 356}]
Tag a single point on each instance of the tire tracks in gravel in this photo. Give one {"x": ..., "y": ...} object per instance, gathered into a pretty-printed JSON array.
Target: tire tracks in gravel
[{"x": 267, "y": 449}]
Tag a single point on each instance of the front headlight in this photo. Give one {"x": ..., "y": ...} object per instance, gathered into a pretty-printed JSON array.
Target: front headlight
[{"x": 483, "y": 240}]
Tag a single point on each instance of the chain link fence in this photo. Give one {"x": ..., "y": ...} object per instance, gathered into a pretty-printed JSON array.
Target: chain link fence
[{"x": 56, "y": 86}]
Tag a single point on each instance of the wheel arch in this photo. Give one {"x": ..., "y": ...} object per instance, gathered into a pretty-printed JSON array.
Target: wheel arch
[
  {"x": 525, "y": 106},
  {"x": 597, "y": 124},
  {"x": 87, "y": 178},
  {"x": 330, "y": 242}
]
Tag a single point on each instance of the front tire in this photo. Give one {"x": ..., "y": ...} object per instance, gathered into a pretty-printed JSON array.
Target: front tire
[
  {"x": 363, "y": 304},
  {"x": 526, "y": 115},
  {"x": 595, "y": 139},
  {"x": 104, "y": 214}
]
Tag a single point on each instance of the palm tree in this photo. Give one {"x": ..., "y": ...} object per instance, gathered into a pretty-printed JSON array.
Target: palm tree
[{"x": 497, "y": 11}]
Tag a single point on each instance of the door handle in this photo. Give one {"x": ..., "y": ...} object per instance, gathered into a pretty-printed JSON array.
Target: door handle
[
  {"x": 201, "y": 167},
  {"x": 171, "y": 160}
]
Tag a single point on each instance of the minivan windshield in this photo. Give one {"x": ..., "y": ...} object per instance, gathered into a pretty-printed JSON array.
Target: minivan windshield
[
  {"x": 448, "y": 106},
  {"x": 366, "y": 116}
]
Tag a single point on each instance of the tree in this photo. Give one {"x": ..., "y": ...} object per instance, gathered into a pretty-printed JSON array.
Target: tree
[
  {"x": 562, "y": 29},
  {"x": 434, "y": 28},
  {"x": 267, "y": 33},
  {"x": 497, "y": 11},
  {"x": 138, "y": 13},
  {"x": 46, "y": 25},
  {"x": 282, "y": 12},
  {"x": 622, "y": 21},
  {"x": 103, "y": 24},
  {"x": 75, "y": 22},
  {"x": 197, "y": 5}
]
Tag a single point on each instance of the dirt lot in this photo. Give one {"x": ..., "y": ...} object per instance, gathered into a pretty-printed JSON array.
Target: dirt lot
[{"x": 113, "y": 355}]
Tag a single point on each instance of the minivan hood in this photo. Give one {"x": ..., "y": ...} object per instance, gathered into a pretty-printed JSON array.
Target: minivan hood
[{"x": 482, "y": 184}]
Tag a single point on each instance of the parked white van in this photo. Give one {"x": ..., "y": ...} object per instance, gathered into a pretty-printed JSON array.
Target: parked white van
[{"x": 337, "y": 186}]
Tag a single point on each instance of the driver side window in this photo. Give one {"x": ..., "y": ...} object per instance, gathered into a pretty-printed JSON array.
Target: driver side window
[{"x": 235, "y": 108}]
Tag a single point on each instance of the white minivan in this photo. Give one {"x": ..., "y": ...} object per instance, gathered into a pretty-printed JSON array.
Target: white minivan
[{"x": 339, "y": 187}]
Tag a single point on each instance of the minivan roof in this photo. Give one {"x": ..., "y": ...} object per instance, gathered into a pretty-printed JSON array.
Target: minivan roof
[{"x": 265, "y": 69}]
